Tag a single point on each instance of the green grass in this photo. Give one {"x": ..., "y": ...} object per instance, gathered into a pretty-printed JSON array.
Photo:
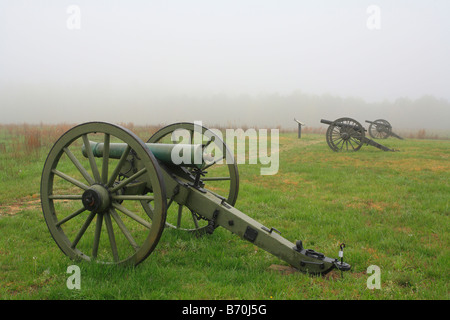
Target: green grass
[{"x": 391, "y": 210}]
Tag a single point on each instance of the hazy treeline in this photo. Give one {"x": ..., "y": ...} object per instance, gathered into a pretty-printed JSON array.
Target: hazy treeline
[
  {"x": 274, "y": 110},
  {"x": 147, "y": 107}
]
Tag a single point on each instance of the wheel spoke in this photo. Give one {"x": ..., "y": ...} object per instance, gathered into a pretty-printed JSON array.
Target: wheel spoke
[
  {"x": 358, "y": 142},
  {"x": 194, "y": 217},
  {"x": 213, "y": 163},
  {"x": 351, "y": 144},
  {"x": 91, "y": 158},
  {"x": 79, "y": 166},
  {"x": 191, "y": 136},
  {"x": 336, "y": 131},
  {"x": 180, "y": 213},
  {"x": 70, "y": 179},
  {"x": 170, "y": 203},
  {"x": 119, "y": 166},
  {"x": 65, "y": 196},
  {"x": 98, "y": 230},
  {"x": 337, "y": 141},
  {"x": 83, "y": 230},
  {"x": 128, "y": 180},
  {"x": 70, "y": 216},
  {"x": 343, "y": 142},
  {"x": 148, "y": 210},
  {"x": 105, "y": 158},
  {"x": 207, "y": 144},
  {"x": 132, "y": 215},
  {"x": 124, "y": 229},
  {"x": 112, "y": 238}
]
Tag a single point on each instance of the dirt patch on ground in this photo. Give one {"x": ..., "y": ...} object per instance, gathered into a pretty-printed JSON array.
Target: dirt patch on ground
[
  {"x": 285, "y": 270},
  {"x": 26, "y": 203},
  {"x": 371, "y": 204},
  {"x": 334, "y": 274}
]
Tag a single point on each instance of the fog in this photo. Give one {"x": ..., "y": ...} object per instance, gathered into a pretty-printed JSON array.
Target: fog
[{"x": 253, "y": 63}]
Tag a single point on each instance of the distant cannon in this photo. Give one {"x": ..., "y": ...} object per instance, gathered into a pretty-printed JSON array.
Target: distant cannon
[
  {"x": 347, "y": 134},
  {"x": 107, "y": 196},
  {"x": 381, "y": 129}
]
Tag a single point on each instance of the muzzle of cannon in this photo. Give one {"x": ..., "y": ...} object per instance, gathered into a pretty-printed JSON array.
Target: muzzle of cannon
[
  {"x": 107, "y": 196},
  {"x": 347, "y": 134},
  {"x": 381, "y": 129}
]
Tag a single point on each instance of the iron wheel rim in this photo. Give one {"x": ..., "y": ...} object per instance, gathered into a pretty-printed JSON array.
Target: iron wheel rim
[
  {"x": 182, "y": 218},
  {"x": 79, "y": 241}
]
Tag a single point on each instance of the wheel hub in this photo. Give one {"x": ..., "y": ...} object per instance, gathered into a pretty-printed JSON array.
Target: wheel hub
[
  {"x": 96, "y": 199},
  {"x": 345, "y": 135}
]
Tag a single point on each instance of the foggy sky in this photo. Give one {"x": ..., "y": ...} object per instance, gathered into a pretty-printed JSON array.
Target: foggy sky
[{"x": 225, "y": 62}]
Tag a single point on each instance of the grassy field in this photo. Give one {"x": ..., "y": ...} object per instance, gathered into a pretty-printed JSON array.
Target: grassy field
[{"x": 391, "y": 210}]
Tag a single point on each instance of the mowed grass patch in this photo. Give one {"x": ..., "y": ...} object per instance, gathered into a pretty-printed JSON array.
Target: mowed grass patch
[{"x": 390, "y": 208}]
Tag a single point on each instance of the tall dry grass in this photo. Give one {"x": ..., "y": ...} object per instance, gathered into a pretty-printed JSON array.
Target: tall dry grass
[
  {"x": 29, "y": 140},
  {"x": 19, "y": 140}
]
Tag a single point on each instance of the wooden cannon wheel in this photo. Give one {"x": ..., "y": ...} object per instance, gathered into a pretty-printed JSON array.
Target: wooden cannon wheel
[
  {"x": 380, "y": 129},
  {"x": 221, "y": 175},
  {"x": 77, "y": 189},
  {"x": 345, "y": 134}
]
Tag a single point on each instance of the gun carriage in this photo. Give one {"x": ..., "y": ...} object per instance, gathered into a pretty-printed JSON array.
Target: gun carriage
[
  {"x": 381, "y": 129},
  {"x": 103, "y": 175},
  {"x": 347, "y": 134}
]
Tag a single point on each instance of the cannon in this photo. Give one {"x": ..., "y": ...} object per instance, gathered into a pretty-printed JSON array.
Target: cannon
[
  {"x": 347, "y": 134},
  {"x": 381, "y": 129},
  {"x": 107, "y": 196}
]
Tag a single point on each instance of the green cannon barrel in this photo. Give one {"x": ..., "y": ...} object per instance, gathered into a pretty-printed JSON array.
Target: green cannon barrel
[
  {"x": 342, "y": 124},
  {"x": 188, "y": 155}
]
